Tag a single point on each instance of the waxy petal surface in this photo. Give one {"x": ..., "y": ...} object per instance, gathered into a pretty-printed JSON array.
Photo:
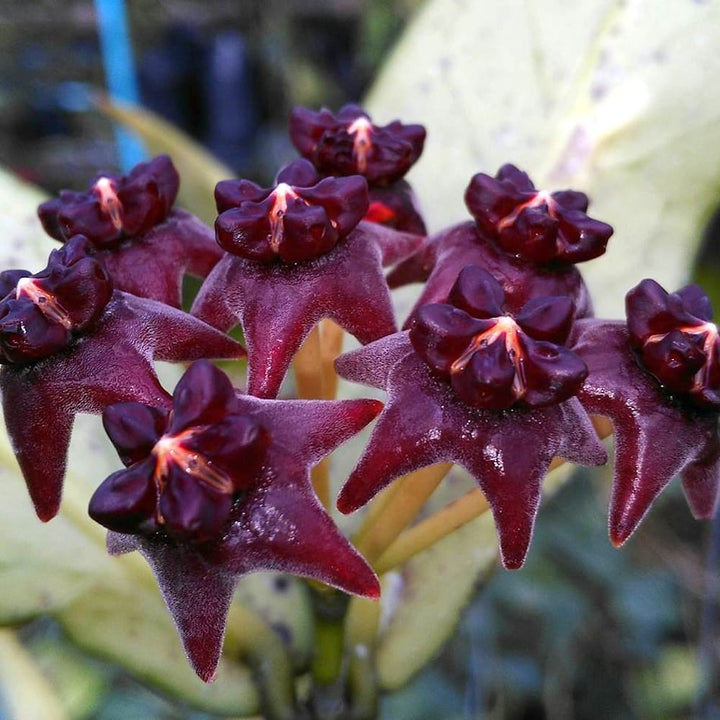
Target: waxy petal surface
[
  {"x": 278, "y": 305},
  {"x": 112, "y": 363},
  {"x": 507, "y": 452},
  {"x": 657, "y": 436}
]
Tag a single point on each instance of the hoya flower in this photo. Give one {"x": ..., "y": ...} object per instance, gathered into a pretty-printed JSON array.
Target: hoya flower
[
  {"x": 473, "y": 384},
  {"x": 69, "y": 343},
  {"x": 528, "y": 239},
  {"x": 217, "y": 486},
  {"x": 296, "y": 253},
  {"x": 658, "y": 379},
  {"x": 349, "y": 143},
  {"x": 146, "y": 246}
]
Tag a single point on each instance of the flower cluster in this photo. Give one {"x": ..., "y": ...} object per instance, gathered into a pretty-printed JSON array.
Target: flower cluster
[{"x": 499, "y": 368}]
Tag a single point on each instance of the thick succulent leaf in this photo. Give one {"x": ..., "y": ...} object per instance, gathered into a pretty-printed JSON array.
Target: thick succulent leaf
[
  {"x": 199, "y": 170},
  {"x": 606, "y": 97}
]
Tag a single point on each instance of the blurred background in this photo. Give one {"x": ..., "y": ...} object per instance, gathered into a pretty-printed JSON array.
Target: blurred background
[{"x": 583, "y": 631}]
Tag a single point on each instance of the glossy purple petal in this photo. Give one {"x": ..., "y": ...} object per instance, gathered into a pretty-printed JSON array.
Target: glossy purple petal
[
  {"x": 507, "y": 452},
  {"x": 540, "y": 226},
  {"x": 657, "y": 436},
  {"x": 145, "y": 245},
  {"x": 349, "y": 143},
  {"x": 276, "y": 523},
  {"x": 111, "y": 363},
  {"x": 114, "y": 208},
  {"x": 277, "y": 305}
]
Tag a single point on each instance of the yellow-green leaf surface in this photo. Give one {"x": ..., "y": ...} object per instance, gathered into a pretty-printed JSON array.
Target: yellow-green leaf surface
[
  {"x": 25, "y": 693},
  {"x": 199, "y": 170},
  {"x": 422, "y": 602},
  {"x": 618, "y": 98}
]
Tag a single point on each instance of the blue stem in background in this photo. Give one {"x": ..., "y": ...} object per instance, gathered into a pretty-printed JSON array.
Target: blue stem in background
[{"x": 119, "y": 72}]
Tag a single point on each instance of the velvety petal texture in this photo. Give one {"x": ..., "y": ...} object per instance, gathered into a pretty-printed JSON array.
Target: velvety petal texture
[
  {"x": 664, "y": 424},
  {"x": 508, "y": 452},
  {"x": 278, "y": 303},
  {"x": 442, "y": 256},
  {"x": 145, "y": 245},
  {"x": 108, "y": 358},
  {"x": 207, "y": 534}
]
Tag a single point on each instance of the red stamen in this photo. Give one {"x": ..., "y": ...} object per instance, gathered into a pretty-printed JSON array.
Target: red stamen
[
  {"x": 45, "y": 301},
  {"x": 362, "y": 129},
  {"x": 109, "y": 202},
  {"x": 504, "y": 328}
]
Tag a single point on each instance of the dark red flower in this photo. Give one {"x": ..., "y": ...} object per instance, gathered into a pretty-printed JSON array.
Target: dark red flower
[
  {"x": 537, "y": 225},
  {"x": 145, "y": 244},
  {"x": 658, "y": 379},
  {"x": 300, "y": 218},
  {"x": 472, "y": 386},
  {"x": 219, "y": 486},
  {"x": 527, "y": 239},
  {"x": 278, "y": 302},
  {"x": 70, "y": 344},
  {"x": 350, "y": 144}
]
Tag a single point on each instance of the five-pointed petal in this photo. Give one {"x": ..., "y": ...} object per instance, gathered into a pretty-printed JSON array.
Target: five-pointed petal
[
  {"x": 657, "y": 436},
  {"x": 112, "y": 362},
  {"x": 507, "y": 452},
  {"x": 278, "y": 304},
  {"x": 276, "y": 523}
]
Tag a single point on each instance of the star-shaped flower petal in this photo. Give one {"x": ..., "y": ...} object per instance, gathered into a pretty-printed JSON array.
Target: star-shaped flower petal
[
  {"x": 71, "y": 344},
  {"x": 145, "y": 245},
  {"x": 204, "y": 515},
  {"x": 528, "y": 239},
  {"x": 278, "y": 302},
  {"x": 475, "y": 388},
  {"x": 660, "y": 432},
  {"x": 349, "y": 143}
]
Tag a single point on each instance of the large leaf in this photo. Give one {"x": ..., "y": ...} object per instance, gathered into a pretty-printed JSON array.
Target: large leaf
[{"x": 614, "y": 98}]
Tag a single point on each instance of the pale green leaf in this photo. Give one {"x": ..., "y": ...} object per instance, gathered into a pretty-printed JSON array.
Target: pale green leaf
[
  {"x": 613, "y": 97},
  {"x": 24, "y": 242},
  {"x": 199, "y": 170},
  {"x": 131, "y": 626},
  {"x": 24, "y": 692}
]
